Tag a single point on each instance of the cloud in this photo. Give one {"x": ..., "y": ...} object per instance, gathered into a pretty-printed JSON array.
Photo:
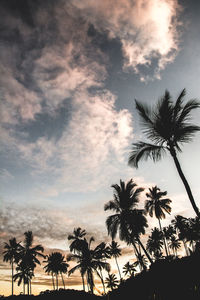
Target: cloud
[{"x": 147, "y": 29}]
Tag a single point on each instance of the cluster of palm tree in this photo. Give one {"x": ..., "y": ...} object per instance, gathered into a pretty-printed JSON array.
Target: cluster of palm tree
[
  {"x": 25, "y": 257},
  {"x": 167, "y": 126}
]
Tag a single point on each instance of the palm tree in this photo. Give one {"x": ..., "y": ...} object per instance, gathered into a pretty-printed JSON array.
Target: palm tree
[
  {"x": 141, "y": 261},
  {"x": 174, "y": 244},
  {"x": 77, "y": 242},
  {"x": 181, "y": 225},
  {"x": 129, "y": 269},
  {"x": 155, "y": 241},
  {"x": 156, "y": 204},
  {"x": 24, "y": 274},
  {"x": 167, "y": 126},
  {"x": 168, "y": 232},
  {"x": 88, "y": 261},
  {"x": 115, "y": 251},
  {"x": 111, "y": 281},
  {"x": 56, "y": 265},
  {"x": 11, "y": 254},
  {"x": 128, "y": 220},
  {"x": 77, "y": 236},
  {"x": 29, "y": 253}
]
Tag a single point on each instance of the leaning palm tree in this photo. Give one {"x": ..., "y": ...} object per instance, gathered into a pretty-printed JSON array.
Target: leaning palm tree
[
  {"x": 115, "y": 252},
  {"x": 167, "y": 127},
  {"x": 11, "y": 254},
  {"x": 111, "y": 281},
  {"x": 156, "y": 204},
  {"x": 129, "y": 221}
]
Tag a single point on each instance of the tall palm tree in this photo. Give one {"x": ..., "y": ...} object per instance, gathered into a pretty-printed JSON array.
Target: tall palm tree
[
  {"x": 128, "y": 220},
  {"x": 167, "y": 126},
  {"x": 115, "y": 252},
  {"x": 111, "y": 281},
  {"x": 11, "y": 254},
  {"x": 156, "y": 204},
  {"x": 129, "y": 269},
  {"x": 29, "y": 254}
]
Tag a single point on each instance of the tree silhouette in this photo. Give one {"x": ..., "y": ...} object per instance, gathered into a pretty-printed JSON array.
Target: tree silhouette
[
  {"x": 115, "y": 252},
  {"x": 11, "y": 254},
  {"x": 168, "y": 232},
  {"x": 181, "y": 225},
  {"x": 88, "y": 262},
  {"x": 167, "y": 126},
  {"x": 129, "y": 269},
  {"x": 156, "y": 204},
  {"x": 128, "y": 220},
  {"x": 28, "y": 256},
  {"x": 174, "y": 244},
  {"x": 24, "y": 274},
  {"x": 111, "y": 281},
  {"x": 77, "y": 237},
  {"x": 155, "y": 242}
]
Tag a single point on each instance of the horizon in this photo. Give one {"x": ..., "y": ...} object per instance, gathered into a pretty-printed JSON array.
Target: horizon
[{"x": 71, "y": 71}]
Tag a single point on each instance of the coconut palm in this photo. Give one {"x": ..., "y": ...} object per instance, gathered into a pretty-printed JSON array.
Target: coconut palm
[
  {"x": 155, "y": 241},
  {"x": 11, "y": 254},
  {"x": 141, "y": 261},
  {"x": 24, "y": 274},
  {"x": 88, "y": 262},
  {"x": 174, "y": 244},
  {"x": 115, "y": 252},
  {"x": 168, "y": 232},
  {"x": 156, "y": 204},
  {"x": 129, "y": 221},
  {"x": 111, "y": 281},
  {"x": 56, "y": 265},
  {"x": 181, "y": 225},
  {"x": 167, "y": 126},
  {"x": 29, "y": 254},
  {"x": 77, "y": 236},
  {"x": 129, "y": 269}
]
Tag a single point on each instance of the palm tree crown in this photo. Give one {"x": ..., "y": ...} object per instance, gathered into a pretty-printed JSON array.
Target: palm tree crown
[{"x": 167, "y": 126}]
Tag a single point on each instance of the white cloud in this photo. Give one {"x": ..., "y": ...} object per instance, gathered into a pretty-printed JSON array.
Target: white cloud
[{"x": 147, "y": 29}]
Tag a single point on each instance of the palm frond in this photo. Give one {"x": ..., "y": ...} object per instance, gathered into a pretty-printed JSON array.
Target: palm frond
[{"x": 143, "y": 151}]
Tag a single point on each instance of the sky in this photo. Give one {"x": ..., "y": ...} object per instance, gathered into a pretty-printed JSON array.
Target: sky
[{"x": 70, "y": 71}]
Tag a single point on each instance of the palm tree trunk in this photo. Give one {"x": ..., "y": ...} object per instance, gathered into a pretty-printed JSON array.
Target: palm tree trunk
[
  {"x": 164, "y": 241},
  {"x": 53, "y": 280},
  {"x": 137, "y": 255},
  {"x": 118, "y": 268},
  {"x": 83, "y": 282},
  {"x": 102, "y": 281},
  {"x": 62, "y": 280},
  {"x": 30, "y": 287},
  {"x": 12, "y": 277},
  {"x": 187, "y": 187},
  {"x": 24, "y": 286},
  {"x": 56, "y": 281},
  {"x": 143, "y": 248}
]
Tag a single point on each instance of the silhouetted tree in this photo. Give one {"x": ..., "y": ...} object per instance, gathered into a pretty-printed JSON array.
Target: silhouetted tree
[
  {"x": 181, "y": 225},
  {"x": 24, "y": 274},
  {"x": 115, "y": 252},
  {"x": 174, "y": 244},
  {"x": 167, "y": 126},
  {"x": 168, "y": 232},
  {"x": 129, "y": 269},
  {"x": 111, "y": 281},
  {"x": 28, "y": 255},
  {"x": 88, "y": 261},
  {"x": 155, "y": 241},
  {"x": 11, "y": 254},
  {"x": 156, "y": 204},
  {"x": 128, "y": 220}
]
